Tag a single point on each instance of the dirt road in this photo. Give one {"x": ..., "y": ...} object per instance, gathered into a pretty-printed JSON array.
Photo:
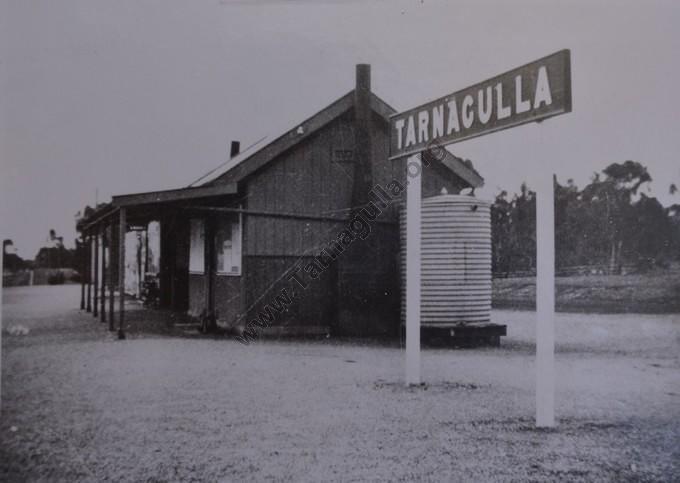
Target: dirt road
[{"x": 77, "y": 404}]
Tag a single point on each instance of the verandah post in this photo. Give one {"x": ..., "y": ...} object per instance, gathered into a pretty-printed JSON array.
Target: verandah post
[
  {"x": 102, "y": 296},
  {"x": 112, "y": 238},
  {"x": 122, "y": 228},
  {"x": 83, "y": 265},
  {"x": 95, "y": 304},
  {"x": 88, "y": 258}
]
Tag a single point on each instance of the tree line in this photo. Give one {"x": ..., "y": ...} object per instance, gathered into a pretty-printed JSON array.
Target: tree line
[
  {"x": 54, "y": 255},
  {"x": 610, "y": 225}
]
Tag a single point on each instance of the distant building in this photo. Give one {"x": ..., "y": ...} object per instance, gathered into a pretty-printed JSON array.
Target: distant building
[{"x": 53, "y": 254}]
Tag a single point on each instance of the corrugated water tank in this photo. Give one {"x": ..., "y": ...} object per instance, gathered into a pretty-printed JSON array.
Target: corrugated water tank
[{"x": 456, "y": 260}]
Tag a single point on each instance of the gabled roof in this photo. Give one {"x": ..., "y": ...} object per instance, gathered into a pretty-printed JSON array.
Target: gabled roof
[
  {"x": 268, "y": 148},
  {"x": 262, "y": 152}
]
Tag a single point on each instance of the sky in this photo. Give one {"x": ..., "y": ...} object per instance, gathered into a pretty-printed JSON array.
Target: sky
[{"x": 110, "y": 97}]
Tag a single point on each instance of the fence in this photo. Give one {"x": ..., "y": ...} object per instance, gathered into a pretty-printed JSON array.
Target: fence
[{"x": 577, "y": 270}]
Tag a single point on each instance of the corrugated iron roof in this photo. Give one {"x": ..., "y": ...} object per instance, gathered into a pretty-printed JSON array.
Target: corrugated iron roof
[{"x": 269, "y": 147}]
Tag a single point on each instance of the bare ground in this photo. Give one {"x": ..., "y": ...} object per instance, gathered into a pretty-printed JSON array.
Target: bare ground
[{"x": 77, "y": 404}]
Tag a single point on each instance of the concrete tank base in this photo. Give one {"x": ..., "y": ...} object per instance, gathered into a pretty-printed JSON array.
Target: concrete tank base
[{"x": 483, "y": 334}]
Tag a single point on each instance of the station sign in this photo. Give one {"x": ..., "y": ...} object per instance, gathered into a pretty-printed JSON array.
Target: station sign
[{"x": 529, "y": 93}]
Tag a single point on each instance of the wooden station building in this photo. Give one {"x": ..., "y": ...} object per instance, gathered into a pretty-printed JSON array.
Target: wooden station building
[{"x": 230, "y": 242}]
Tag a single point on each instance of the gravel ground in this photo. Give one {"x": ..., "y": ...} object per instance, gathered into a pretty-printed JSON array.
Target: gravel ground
[{"x": 77, "y": 404}]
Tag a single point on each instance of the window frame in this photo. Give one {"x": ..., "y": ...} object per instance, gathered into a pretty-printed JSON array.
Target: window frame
[
  {"x": 193, "y": 269},
  {"x": 238, "y": 241}
]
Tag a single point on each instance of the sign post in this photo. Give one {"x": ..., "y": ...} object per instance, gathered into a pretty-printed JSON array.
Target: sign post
[
  {"x": 545, "y": 301},
  {"x": 530, "y": 93},
  {"x": 413, "y": 264}
]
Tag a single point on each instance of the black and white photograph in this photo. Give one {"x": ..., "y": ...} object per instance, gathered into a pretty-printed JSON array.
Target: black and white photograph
[{"x": 340, "y": 240}]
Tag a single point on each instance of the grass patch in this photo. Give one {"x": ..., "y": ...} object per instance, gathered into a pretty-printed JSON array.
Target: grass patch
[{"x": 657, "y": 292}]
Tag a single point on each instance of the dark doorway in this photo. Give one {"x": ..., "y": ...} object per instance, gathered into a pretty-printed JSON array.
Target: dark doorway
[{"x": 175, "y": 264}]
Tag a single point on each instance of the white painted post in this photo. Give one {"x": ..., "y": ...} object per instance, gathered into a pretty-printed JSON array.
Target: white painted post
[
  {"x": 545, "y": 303},
  {"x": 413, "y": 215}
]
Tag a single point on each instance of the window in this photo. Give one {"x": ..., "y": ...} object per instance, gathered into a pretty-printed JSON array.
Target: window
[
  {"x": 197, "y": 246},
  {"x": 228, "y": 245}
]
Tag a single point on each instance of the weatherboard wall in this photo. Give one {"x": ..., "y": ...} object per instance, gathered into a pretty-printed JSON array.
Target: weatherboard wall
[{"x": 359, "y": 293}]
